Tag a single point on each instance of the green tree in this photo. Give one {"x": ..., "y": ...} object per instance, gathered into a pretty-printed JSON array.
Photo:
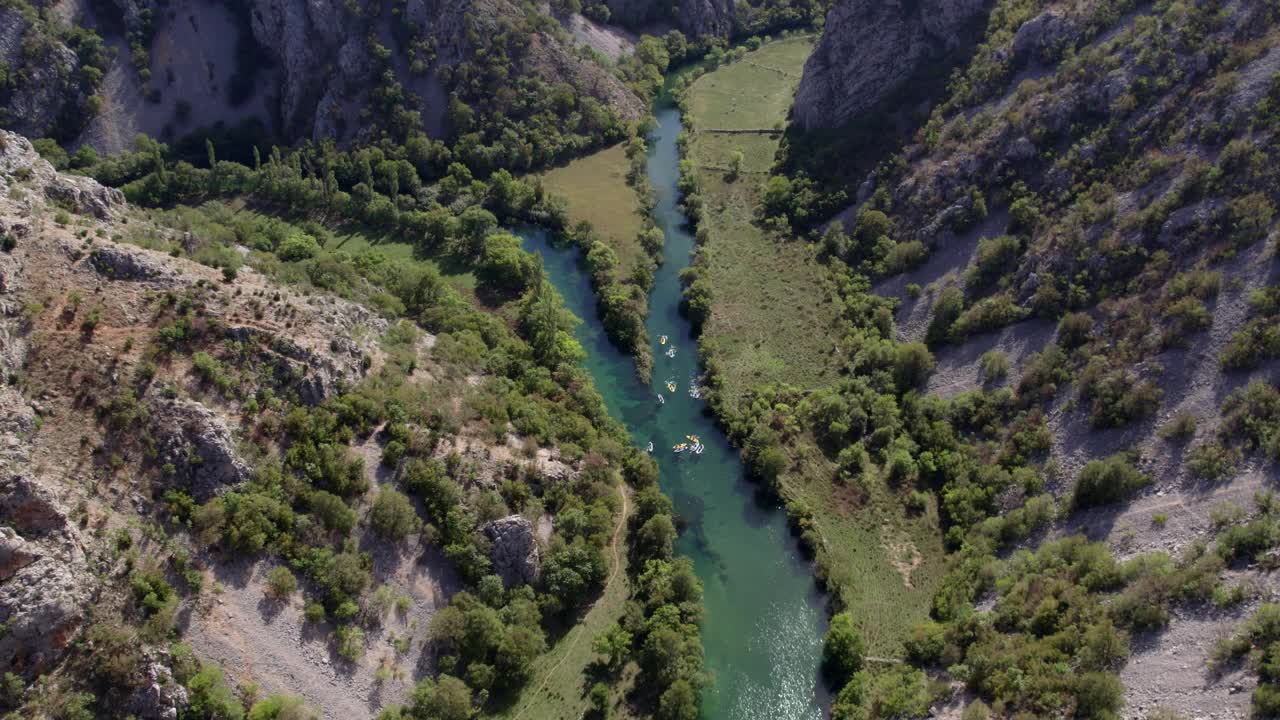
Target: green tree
[
  {"x": 615, "y": 644},
  {"x": 679, "y": 702},
  {"x": 392, "y": 515},
  {"x": 842, "y": 650},
  {"x": 447, "y": 698}
]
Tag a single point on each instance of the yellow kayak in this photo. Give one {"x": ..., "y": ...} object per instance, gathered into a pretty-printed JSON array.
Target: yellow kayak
[
  {"x": 671, "y": 387},
  {"x": 662, "y": 339},
  {"x": 681, "y": 447}
]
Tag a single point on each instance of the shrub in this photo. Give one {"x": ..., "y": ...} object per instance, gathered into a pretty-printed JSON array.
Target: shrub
[
  {"x": 912, "y": 364},
  {"x": 1106, "y": 481},
  {"x": 1183, "y": 425},
  {"x": 994, "y": 257},
  {"x": 298, "y": 246},
  {"x": 946, "y": 310},
  {"x": 987, "y": 314},
  {"x": 350, "y": 642},
  {"x": 1212, "y": 460},
  {"x": 281, "y": 583},
  {"x": 994, "y": 365},
  {"x": 1074, "y": 329},
  {"x": 842, "y": 650},
  {"x": 905, "y": 256},
  {"x": 392, "y": 514}
]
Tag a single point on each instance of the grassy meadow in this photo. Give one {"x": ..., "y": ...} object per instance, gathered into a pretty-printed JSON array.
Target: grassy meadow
[
  {"x": 774, "y": 321},
  {"x": 597, "y": 191}
]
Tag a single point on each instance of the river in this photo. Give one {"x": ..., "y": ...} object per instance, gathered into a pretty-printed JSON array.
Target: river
[{"x": 764, "y": 617}]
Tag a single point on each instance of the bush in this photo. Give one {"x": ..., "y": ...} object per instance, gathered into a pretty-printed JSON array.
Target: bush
[
  {"x": 392, "y": 515},
  {"x": 298, "y": 246},
  {"x": 842, "y": 651},
  {"x": 1074, "y": 329},
  {"x": 1212, "y": 460},
  {"x": 912, "y": 364},
  {"x": 1102, "y": 482},
  {"x": 994, "y": 257},
  {"x": 1099, "y": 695},
  {"x": 994, "y": 365},
  {"x": 946, "y": 311},
  {"x": 1183, "y": 425},
  {"x": 281, "y": 583},
  {"x": 905, "y": 256},
  {"x": 350, "y": 642}
]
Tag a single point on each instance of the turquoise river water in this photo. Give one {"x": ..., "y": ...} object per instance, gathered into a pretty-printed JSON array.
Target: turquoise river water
[{"x": 764, "y": 619}]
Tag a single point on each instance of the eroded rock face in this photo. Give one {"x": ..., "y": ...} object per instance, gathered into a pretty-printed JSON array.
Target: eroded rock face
[
  {"x": 198, "y": 445},
  {"x": 45, "y": 584},
  {"x": 872, "y": 49},
  {"x": 159, "y": 697},
  {"x": 694, "y": 17},
  {"x": 515, "y": 550},
  {"x": 82, "y": 194},
  {"x": 121, "y": 263},
  {"x": 49, "y": 84}
]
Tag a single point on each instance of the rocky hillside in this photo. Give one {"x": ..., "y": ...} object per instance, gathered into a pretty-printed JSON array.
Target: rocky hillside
[
  {"x": 262, "y": 484},
  {"x": 102, "y": 72},
  {"x": 1078, "y": 238}
]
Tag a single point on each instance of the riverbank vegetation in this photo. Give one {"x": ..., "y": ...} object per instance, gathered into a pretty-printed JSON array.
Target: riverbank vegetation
[
  {"x": 609, "y": 204},
  {"x": 771, "y": 333},
  {"x": 1087, "y": 239}
]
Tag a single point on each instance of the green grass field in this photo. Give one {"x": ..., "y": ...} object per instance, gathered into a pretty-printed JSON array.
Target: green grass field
[
  {"x": 597, "y": 191},
  {"x": 772, "y": 320}
]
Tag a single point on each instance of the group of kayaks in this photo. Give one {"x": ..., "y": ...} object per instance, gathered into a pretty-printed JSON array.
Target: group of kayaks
[{"x": 694, "y": 444}]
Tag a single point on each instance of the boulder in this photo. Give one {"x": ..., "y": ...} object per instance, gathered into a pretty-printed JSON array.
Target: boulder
[
  {"x": 83, "y": 195},
  {"x": 1044, "y": 37},
  {"x": 120, "y": 263},
  {"x": 159, "y": 697},
  {"x": 199, "y": 447},
  {"x": 45, "y": 584},
  {"x": 515, "y": 550}
]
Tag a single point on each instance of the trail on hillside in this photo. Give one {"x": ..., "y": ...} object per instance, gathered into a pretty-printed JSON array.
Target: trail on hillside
[{"x": 577, "y": 630}]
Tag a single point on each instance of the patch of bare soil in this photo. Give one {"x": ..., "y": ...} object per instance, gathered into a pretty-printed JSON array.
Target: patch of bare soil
[
  {"x": 903, "y": 556},
  {"x": 256, "y": 639},
  {"x": 1170, "y": 669}
]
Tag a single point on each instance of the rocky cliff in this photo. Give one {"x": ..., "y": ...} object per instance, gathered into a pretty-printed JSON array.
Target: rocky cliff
[
  {"x": 693, "y": 17},
  {"x": 872, "y": 50},
  {"x": 301, "y": 69}
]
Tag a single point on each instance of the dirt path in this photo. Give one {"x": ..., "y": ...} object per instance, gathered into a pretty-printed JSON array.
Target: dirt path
[{"x": 579, "y": 629}]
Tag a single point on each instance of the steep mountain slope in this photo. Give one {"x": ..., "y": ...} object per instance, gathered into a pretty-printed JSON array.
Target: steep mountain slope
[
  {"x": 237, "y": 471},
  {"x": 295, "y": 69},
  {"x": 1070, "y": 274}
]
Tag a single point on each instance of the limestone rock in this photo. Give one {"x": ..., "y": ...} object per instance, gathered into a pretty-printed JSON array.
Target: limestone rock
[
  {"x": 45, "y": 585},
  {"x": 198, "y": 445},
  {"x": 1044, "y": 37},
  {"x": 45, "y": 73},
  {"x": 122, "y": 263},
  {"x": 693, "y": 17},
  {"x": 515, "y": 550},
  {"x": 159, "y": 698},
  {"x": 872, "y": 49},
  {"x": 84, "y": 195}
]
